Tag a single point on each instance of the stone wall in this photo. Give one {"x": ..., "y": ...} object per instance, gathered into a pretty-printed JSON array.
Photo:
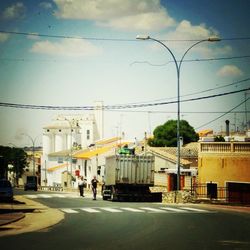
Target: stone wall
[
  {"x": 182, "y": 196},
  {"x": 177, "y": 197}
]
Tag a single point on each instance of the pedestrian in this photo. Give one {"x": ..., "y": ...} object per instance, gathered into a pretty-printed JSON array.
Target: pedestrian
[
  {"x": 81, "y": 183},
  {"x": 94, "y": 182}
]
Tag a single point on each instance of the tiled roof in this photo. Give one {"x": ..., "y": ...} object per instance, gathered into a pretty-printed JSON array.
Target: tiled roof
[
  {"x": 51, "y": 169},
  {"x": 87, "y": 154},
  {"x": 106, "y": 141},
  {"x": 163, "y": 152},
  {"x": 189, "y": 150}
]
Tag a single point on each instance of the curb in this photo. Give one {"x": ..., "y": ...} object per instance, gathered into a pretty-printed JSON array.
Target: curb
[
  {"x": 8, "y": 218},
  {"x": 33, "y": 216}
]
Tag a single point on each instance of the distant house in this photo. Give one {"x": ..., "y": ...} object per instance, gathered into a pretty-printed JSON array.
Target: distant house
[
  {"x": 224, "y": 170},
  {"x": 166, "y": 169},
  {"x": 66, "y": 166},
  {"x": 63, "y": 137}
]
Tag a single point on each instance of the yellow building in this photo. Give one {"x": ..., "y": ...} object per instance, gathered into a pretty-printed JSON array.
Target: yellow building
[{"x": 224, "y": 170}]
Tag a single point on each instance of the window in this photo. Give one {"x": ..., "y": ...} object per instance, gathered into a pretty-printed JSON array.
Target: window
[{"x": 88, "y": 134}]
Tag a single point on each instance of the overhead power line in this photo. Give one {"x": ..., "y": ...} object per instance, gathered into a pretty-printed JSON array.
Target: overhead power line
[
  {"x": 174, "y": 112},
  {"x": 198, "y": 92},
  {"x": 217, "y": 118},
  {"x": 110, "y": 39},
  {"x": 107, "y": 107},
  {"x": 149, "y": 63}
]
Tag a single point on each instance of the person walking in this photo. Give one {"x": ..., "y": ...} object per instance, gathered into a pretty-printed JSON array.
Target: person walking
[
  {"x": 81, "y": 183},
  {"x": 94, "y": 182}
]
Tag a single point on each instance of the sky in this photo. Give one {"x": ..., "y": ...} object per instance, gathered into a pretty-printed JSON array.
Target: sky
[{"x": 75, "y": 52}]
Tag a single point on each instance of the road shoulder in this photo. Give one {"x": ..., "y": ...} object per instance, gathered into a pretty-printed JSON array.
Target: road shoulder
[{"x": 41, "y": 218}]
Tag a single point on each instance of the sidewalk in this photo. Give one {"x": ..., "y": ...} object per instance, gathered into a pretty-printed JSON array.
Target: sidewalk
[
  {"x": 225, "y": 207},
  {"x": 25, "y": 215}
]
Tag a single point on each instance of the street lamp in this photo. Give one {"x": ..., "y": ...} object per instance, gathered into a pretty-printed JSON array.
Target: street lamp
[
  {"x": 178, "y": 68},
  {"x": 33, "y": 141}
]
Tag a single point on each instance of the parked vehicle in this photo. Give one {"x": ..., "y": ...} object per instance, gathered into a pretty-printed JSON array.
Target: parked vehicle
[
  {"x": 128, "y": 178},
  {"x": 6, "y": 190},
  {"x": 31, "y": 183}
]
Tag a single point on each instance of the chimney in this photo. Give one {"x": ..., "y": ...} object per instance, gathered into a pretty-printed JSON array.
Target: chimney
[{"x": 227, "y": 127}]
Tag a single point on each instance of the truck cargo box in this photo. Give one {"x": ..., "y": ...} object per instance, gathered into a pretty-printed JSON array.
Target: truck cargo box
[{"x": 129, "y": 169}]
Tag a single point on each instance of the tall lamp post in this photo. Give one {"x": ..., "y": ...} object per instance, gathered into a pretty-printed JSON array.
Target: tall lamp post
[
  {"x": 33, "y": 141},
  {"x": 178, "y": 68}
]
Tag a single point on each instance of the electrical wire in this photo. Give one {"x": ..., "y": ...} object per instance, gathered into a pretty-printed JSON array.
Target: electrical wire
[
  {"x": 199, "y": 92},
  {"x": 193, "y": 60},
  {"x": 107, "y": 107},
  {"x": 111, "y": 39},
  {"x": 217, "y": 118},
  {"x": 174, "y": 112}
]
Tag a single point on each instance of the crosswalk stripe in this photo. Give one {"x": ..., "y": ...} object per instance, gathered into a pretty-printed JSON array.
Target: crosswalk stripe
[
  {"x": 132, "y": 209},
  {"x": 59, "y": 195},
  {"x": 112, "y": 210},
  {"x": 69, "y": 211},
  {"x": 135, "y": 210},
  {"x": 90, "y": 210},
  {"x": 44, "y": 196},
  {"x": 171, "y": 209},
  {"x": 194, "y": 209},
  {"x": 153, "y": 209},
  {"x": 31, "y": 196}
]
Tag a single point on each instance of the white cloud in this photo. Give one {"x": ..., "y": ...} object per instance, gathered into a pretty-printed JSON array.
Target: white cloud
[
  {"x": 70, "y": 48},
  {"x": 230, "y": 70},
  {"x": 14, "y": 11},
  {"x": 33, "y": 36},
  {"x": 140, "y": 22},
  {"x": 118, "y": 14},
  {"x": 186, "y": 31},
  {"x": 3, "y": 37}
]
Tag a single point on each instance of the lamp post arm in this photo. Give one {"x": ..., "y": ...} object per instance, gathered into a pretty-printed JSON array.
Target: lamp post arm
[
  {"x": 201, "y": 41},
  {"x": 169, "y": 50}
]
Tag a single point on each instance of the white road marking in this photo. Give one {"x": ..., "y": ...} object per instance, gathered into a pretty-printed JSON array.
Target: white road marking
[
  {"x": 155, "y": 210},
  {"x": 44, "y": 196},
  {"x": 171, "y": 209},
  {"x": 69, "y": 211},
  {"x": 132, "y": 209},
  {"x": 58, "y": 195},
  {"x": 112, "y": 210},
  {"x": 90, "y": 210},
  {"x": 31, "y": 196},
  {"x": 195, "y": 209}
]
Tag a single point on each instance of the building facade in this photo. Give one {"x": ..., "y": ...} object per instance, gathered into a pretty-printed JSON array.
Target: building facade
[
  {"x": 64, "y": 136},
  {"x": 225, "y": 166}
]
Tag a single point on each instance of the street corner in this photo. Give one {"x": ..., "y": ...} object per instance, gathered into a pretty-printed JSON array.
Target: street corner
[
  {"x": 224, "y": 207},
  {"x": 33, "y": 216}
]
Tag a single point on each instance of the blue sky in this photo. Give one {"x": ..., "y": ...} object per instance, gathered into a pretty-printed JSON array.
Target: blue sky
[{"x": 44, "y": 70}]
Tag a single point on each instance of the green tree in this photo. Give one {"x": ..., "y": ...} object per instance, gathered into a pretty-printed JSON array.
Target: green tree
[
  {"x": 17, "y": 157},
  {"x": 219, "y": 138},
  {"x": 165, "y": 135}
]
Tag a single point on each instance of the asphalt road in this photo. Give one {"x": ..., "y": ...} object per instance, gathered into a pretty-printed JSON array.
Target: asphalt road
[{"x": 101, "y": 224}]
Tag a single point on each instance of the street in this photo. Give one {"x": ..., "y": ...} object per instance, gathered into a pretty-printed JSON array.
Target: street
[{"x": 102, "y": 224}]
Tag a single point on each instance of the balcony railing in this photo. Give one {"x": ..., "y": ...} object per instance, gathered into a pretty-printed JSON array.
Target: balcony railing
[{"x": 224, "y": 147}]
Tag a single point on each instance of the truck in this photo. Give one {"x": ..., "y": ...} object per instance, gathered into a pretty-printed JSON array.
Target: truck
[
  {"x": 31, "y": 183},
  {"x": 129, "y": 178}
]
